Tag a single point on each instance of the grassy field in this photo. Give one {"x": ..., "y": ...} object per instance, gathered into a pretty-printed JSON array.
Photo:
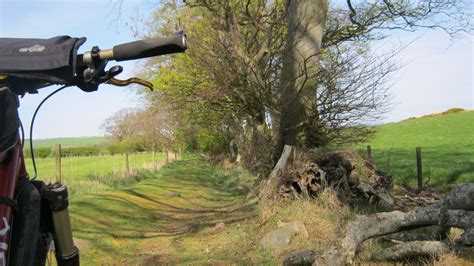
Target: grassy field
[
  {"x": 68, "y": 142},
  {"x": 90, "y": 174},
  {"x": 447, "y": 143}
]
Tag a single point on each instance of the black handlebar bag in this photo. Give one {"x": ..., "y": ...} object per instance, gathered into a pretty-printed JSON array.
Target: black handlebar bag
[
  {"x": 9, "y": 121},
  {"x": 30, "y": 64},
  {"x": 25, "y": 66}
]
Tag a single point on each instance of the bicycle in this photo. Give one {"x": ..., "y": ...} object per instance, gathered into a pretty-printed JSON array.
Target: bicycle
[{"x": 34, "y": 214}]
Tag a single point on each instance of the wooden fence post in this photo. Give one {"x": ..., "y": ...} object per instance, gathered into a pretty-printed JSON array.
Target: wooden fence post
[
  {"x": 154, "y": 156},
  {"x": 369, "y": 152},
  {"x": 419, "y": 168},
  {"x": 58, "y": 163},
  {"x": 180, "y": 153},
  {"x": 127, "y": 164},
  {"x": 167, "y": 156}
]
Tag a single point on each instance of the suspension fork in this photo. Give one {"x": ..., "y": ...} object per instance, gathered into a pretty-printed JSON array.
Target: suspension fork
[
  {"x": 54, "y": 210},
  {"x": 55, "y": 197}
]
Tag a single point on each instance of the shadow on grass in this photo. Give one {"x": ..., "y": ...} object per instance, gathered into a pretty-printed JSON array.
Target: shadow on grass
[
  {"x": 197, "y": 171},
  {"x": 186, "y": 197}
]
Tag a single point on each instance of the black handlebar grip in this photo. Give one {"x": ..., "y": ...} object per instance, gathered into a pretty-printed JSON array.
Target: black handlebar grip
[{"x": 151, "y": 47}]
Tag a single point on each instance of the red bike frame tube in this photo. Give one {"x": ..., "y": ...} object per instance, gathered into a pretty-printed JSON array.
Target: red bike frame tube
[{"x": 10, "y": 170}]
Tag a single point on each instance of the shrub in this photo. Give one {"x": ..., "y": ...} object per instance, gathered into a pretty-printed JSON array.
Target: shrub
[
  {"x": 209, "y": 142},
  {"x": 453, "y": 111},
  {"x": 39, "y": 153},
  {"x": 79, "y": 151},
  {"x": 65, "y": 152},
  {"x": 115, "y": 149}
]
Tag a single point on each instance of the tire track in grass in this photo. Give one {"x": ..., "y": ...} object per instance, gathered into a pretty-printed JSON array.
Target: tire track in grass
[{"x": 159, "y": 220}]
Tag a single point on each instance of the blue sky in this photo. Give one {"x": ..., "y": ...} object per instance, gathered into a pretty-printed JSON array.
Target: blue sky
[
  {"x": 73, "y": 112},
  {"x": 437, "y": 73}
]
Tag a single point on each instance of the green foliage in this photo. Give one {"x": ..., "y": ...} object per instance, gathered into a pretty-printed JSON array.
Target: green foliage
[
  {"x": 447, "y": 144},
  {"x": 67, "y": 152},
  {"x": 115, "y": 148},
  {"x": 39, "y": 152},
  {"x": 79, "y": 151},
  {"x": 134, "y": 144},
  {"x": 131, "y": 145},
  {"x": 209, "y": 142}
]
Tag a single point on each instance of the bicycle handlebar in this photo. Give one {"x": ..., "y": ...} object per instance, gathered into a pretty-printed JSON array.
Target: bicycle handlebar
[{"x": 142, "y": 49}]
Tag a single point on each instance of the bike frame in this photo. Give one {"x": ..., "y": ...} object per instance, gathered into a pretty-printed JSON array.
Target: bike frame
[{"x": 11, "y": 169}]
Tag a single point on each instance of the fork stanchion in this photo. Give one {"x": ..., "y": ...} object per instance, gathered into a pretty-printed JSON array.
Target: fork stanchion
[{"x": 57, "y": 197}]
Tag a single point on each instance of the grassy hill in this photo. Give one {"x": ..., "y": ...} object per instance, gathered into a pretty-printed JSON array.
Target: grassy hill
[
  {"x": 447, "y": 143},
  {"x": 68, "y": 142}
]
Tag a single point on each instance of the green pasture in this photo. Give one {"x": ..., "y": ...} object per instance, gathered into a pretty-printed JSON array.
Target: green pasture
[
  {"x": 67, "y": 142},
  {"x": 447, "y": 143},
  {"x": 92, "y": 173}
]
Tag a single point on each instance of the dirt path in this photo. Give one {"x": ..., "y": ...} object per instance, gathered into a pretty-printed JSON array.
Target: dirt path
[{"x": 189, "y": 213}]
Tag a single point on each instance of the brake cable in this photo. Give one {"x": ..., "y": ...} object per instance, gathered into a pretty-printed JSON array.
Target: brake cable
[
  {"x": 33, "y": 124},
  {"x": 31, "y": 140},
  {"x": 111, "y": 80}
]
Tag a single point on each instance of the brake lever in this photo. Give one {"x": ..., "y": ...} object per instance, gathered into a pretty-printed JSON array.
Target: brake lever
[{"x": 126, "y": 82}]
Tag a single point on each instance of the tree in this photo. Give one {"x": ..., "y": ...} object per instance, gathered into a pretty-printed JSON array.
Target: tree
[
  {"x": 119, "y": 125},
  {"x": 278, "y": 72},
  {"x": 303, "y": 98},
  {"x": 142, "y": 129}
]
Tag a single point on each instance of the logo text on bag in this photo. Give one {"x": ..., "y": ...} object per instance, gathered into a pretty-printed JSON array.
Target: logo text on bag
[{"x": 33, "y": 49}]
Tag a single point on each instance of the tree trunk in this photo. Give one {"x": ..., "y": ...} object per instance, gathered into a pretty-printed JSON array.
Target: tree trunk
[{"x": 306, "y": 19}]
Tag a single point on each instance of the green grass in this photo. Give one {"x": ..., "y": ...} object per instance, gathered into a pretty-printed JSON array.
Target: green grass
[
  {"x": 168, "y": 218},
  {"x": 80, "y": 172},
  {"x": 447, "y": 143},
  {"x": 67, "y": 142}
]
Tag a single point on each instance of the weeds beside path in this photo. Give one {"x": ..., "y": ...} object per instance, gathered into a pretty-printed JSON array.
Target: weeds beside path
[{"x": 168, "y": 219}]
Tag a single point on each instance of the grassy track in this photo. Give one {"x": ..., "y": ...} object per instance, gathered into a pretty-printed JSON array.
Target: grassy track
[
  {"x": 172, "y": 217},
  {"x": 166, "y": 219},
  {"x": 447, "y": 143}
]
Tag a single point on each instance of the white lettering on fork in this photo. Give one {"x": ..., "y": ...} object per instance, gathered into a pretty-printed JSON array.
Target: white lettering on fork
[{"x": 3, "y": 246}]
